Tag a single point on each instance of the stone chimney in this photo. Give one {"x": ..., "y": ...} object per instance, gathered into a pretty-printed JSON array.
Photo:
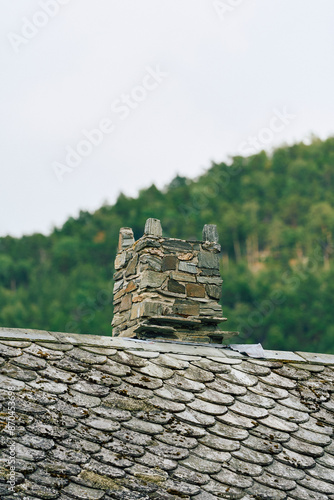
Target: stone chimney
[{"x": 168, "y": 288}]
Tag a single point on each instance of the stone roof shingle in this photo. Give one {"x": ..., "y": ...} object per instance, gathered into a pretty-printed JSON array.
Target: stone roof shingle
[{"x": 102, "y": 418}]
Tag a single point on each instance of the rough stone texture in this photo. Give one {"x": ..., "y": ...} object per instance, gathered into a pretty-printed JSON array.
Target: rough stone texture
[
  {"x": 156, "y": 282},
  {"x": 106, "y": 418},
  {"x": 153, "y": 227},
  {"x": 210, "y": 233}
]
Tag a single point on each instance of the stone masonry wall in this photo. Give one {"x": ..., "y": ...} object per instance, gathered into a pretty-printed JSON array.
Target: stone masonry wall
[{"x": 167, "y": 288}]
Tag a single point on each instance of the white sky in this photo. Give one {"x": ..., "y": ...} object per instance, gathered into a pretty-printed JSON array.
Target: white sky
[{"x": 227, "y": 74}]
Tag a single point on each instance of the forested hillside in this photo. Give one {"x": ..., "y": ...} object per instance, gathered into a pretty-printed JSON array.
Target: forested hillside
[{"x": 275, "y": 217}]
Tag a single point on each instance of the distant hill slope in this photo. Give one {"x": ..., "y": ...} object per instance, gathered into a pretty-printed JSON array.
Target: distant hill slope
[{"x": 275, "y": 217}]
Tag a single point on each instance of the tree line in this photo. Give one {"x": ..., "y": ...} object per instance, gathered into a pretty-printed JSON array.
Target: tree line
[{"x": 275, "y": 218}]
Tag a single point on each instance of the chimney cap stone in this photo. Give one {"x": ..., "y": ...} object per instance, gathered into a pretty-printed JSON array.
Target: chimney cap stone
[
  {"x": 153, "y": 227},
  {"x": 126, "y": 238},
  {"x": 210, "y": 233}
]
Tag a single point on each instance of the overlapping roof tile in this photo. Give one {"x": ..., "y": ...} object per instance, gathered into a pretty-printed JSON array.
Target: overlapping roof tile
[{"x": 99, "y": 418}]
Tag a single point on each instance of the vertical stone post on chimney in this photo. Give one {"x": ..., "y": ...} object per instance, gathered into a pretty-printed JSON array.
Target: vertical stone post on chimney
[{"x": 168, "y": 288}]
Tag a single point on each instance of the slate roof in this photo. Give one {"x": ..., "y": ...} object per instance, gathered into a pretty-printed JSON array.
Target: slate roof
[{"x": 111, "y": 418}]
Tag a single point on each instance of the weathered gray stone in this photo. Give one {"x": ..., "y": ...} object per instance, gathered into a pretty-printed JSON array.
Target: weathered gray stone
[
  {"x": 67, "y": 455},
  {"x": 80, "y": 492},
  {"x": 103, "y": 424},
  {"x": 81, "y": 399},
  {"x": 269, "y": 433},
  {"x": 21, "y": 405},
  {"x": 246, "y": 468},
  {"x": 253, "y": 456},
  {"x": 29, "y": 361},
  {"x": 219, "y": 443},
  {"x": 183, "y": 277},
  {"x": 279, "y": 424},
  {"x": 120, "y": 261},
  {"x": 131, "y": 392},
  {"x": 152, "y": 460},
  {"x": 43, "y": 352},
  {"x": 301, "y": 493},
  {"x": 198, "y": 464},
  {"x": 31, "y": 488},
  {"x": 317, "y": 485},
  {"x": 231, "y": 418},
  {"x": 283, "y": 470},
  {"x": 208, "y": 260},
  {"x": 208, "y": 280},
  {"x": 53, "y": 373},
  {"x": 138, "y": 425},
  {"x": 188, "y": 267},
  {"x": 8, "y": 383},
  {"x": 174, "y": 394},
  {"x": 205, "y": 407},
  {"x": 227, "y": 476},
  {"x": 87, "y": 357},
  {"x": 180, "y": 382},
  {"x": 221, "y": 385},
  {"x": 269, "y": 391},
  {"x": 322, "y": 473},
  {"x": 229, "y": 432},
  {"x": 262, "y": 445},
  {"x": 90, "y": 388},
  {"x": 113, "y": 413},
  {"x": 80, "y": 444},
  {"x": 103, "y": 469},
  {"x": 27, "y": 453},
  {"x": 151, "y": 262},
  {"x": 70, "y": 365},
  {"x": 44, "y": 478},
  {"x": 91, "y": 434},
  {"x": 295, "y": 459},
  {"x": 154, "y": 370},
  {"x": 322, "y": 359},
  {"x": 248, "y": 411},
  {"x": 126, "y": 238},
  {"x": 210, "y": 233},
  {"x": 181, "y": 489},
  {"x": 8, "y": 351},
  {"x": 191, "y": 476},
  {"x": 259, "y": 490},
  {"x": 152, "y": 279},
  {"x": 131, "y": 268},
  {"x": 171, "y": 362},
  {"x": 161, "y": 406},
  {"x": 312, "y": 437},
  {"x": 256, "y": 400},
  {"x": 48, "y": 386},
  {"x": 153, "y": 227},
  {"x": 216, "y": 397},
  {"x": 196, "y": 417},
  {"x": 36, "y": 442},
  {"x": 113, "y": 368},
  {"x": 110, "y": 458},
  {"x": 214, "y": 291},
  {"x": 47, "y": 430},
  {"x": 174, "y": 245}
]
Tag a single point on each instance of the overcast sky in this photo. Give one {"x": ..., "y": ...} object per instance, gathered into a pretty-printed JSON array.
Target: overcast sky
[{"x": 172, "y": 85}]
